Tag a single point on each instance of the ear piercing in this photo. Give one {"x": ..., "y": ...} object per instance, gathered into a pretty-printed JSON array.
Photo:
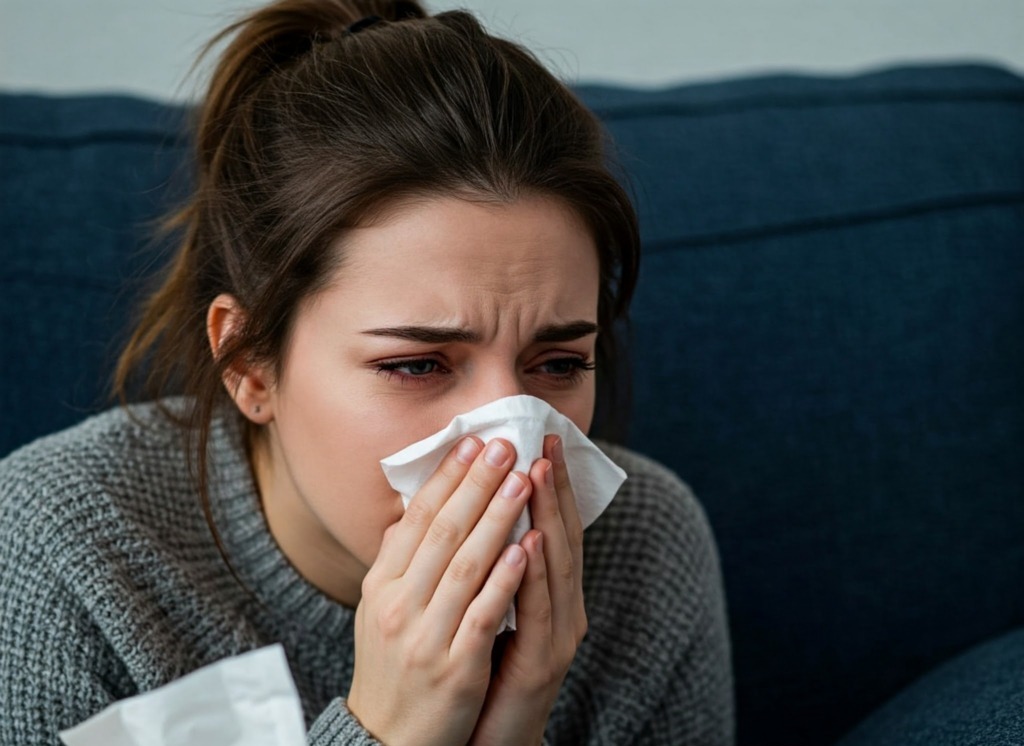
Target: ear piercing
[{"x": 256, "y": 409}]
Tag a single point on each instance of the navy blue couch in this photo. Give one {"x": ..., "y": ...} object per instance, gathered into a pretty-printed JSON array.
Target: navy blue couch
[{"x": 828, "y": 344}]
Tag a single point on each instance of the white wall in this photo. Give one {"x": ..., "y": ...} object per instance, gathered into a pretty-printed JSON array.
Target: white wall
[{"x": 146, "y": 46}]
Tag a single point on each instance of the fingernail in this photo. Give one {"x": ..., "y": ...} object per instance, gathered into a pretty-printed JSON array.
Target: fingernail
[
  {"x": 515, "y": 555},
  {"x": 496, "y": 453},
  {"x": 538, "y": 545},
  {"x": 467, "y": 451},
  {"x": 549, "y": 475},
  {"x": 513, "y": 486},
  {"x": 556, "y": 451}
]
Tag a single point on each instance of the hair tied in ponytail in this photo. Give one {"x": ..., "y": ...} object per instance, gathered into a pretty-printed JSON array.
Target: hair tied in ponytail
[
  {"x": 363, "y": 23},
  {"x": 400, "y": 11}
]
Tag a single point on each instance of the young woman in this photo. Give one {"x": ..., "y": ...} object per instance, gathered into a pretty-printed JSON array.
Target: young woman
[{"x": 396, "y": 219}]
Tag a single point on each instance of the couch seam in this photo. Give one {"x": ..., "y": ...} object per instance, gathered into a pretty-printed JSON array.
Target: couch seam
[
  {"x": 615, "y": 112},
  {"x": 833, "y": 222}
]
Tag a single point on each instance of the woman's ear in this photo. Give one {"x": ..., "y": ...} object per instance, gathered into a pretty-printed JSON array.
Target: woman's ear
[{"x": 250, "y": 386}]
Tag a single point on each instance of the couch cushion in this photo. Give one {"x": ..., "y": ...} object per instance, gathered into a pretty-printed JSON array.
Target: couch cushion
[{"x": 975, "y": 700}]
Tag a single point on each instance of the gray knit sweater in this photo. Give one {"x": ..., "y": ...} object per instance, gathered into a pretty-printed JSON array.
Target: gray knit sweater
[{"x": 111, "y": 584}]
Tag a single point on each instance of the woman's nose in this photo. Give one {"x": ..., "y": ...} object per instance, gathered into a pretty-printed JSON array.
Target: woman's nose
[{"x": 493, "y": 383}]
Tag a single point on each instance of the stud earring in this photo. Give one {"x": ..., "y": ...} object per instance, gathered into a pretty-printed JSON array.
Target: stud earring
[{"x": 256, "y": 409}]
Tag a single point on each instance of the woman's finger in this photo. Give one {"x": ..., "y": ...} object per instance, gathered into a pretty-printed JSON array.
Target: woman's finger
[
  {"x": 534, "y": 615},
  {"x": 469, "y": 568},
  {"x": 456, "y": 521},
  {"x": 546, "y": 513},
  {"x": 566, "y": 505},
  {"x": 479, "y": 625},
  {"x": 405, "y": 537},
  {"x": 553, "y": 508}
]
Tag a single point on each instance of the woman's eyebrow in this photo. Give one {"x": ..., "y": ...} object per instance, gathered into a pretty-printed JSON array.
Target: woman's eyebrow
[
  {"x": 428, "y": 334},
  {"x": 565, "y": 332},
  {"x": 447, "y": 335}
]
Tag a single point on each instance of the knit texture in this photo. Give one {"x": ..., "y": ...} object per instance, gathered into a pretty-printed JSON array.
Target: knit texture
[{"x": 111, "y": 584}]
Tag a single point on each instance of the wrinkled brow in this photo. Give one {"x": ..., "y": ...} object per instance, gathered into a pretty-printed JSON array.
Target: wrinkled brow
[
  {"x": 428, "y": 334},
  {"x": 565, "y": 332},
  {"x": 447, "y": 335}
]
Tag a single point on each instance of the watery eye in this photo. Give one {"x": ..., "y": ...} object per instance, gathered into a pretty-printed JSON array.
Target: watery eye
[
  {"x": 418, "y": 371},
  {"x": 417, "y": 367},
  {"x": 566, "y": 369},
  {"x": 562, "y": 367}
]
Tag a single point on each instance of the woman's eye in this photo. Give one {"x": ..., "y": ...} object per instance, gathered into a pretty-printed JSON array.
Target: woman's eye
[
  {"x": 560, "y": 371},
  {"x": 566, "y": 368},
  {"x": 561, "y": 367},
  {"x": 418, "y": 367},
  {"x": 409, "y": 368}
]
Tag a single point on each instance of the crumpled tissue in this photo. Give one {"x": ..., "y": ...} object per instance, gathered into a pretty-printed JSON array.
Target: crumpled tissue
[
  {"x": 523, "y": 421},
  {"x": 246, "y": 700}
]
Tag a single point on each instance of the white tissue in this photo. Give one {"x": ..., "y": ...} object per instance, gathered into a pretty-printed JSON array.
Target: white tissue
[
  {"x": 523, "y": 421},
  {"x": 247, "y": 700}
]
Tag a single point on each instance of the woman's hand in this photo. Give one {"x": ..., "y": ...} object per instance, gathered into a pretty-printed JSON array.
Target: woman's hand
[
  {"x": 434, "y": 599},
  {"x": 550, "y": 618}
]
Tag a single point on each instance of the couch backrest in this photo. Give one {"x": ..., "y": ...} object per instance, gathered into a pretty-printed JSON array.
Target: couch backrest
[
  {"x": 83, "y": 181},
  {"x": 829, "y": 346},
  {"x": 826, "y": 345}
]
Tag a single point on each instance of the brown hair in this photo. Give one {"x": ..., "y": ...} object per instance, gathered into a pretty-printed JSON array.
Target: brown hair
[{"x": 310, "y": 128}]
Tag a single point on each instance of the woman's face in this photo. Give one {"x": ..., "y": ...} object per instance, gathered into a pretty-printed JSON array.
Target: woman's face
[{"x": 443, "y": 306}]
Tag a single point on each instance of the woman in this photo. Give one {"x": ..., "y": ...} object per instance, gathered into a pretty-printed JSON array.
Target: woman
[{"x": 396, "y": 219}]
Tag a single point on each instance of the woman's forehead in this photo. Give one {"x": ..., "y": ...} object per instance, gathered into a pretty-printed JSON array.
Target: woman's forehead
[
  {"x": 460, "y": 264},
  {"x": 530, "y": 241}
]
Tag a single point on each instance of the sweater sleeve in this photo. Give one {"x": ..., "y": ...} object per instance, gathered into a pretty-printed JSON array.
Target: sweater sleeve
[
  {"x": 56, "y": 669},
  {"x": 336, "y": 726}
]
